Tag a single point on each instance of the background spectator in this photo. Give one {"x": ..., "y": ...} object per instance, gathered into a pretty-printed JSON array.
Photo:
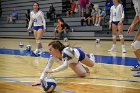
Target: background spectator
[
  {"x": 98, "y": 15},
  {"x": 65, "y": 29},
  {"x": 51, "y": 13},
  {"x": 102, "y": 16},
  {"x": 108, "y": 5},
  {"x": 66, "y": 5},
  {"x": 82, "y": 8},
  {"x": 62, "y": 29},
  {"x": 71, "y": 10},
  {"x": 13, "y": 17},
  {"x": 58, "y": 29},
  {"x": 93, "y": 13},
  {"x": 87, "y": 17}
]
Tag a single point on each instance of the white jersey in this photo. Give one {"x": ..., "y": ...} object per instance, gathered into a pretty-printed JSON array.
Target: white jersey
[
  {"x": 63, "y": 63},
  {"x": 116, "y": 13},
  {"x": 137, "y": 7},
  {"x": 37, "y": 19}
]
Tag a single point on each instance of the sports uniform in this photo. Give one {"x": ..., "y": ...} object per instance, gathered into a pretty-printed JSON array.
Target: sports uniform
[
  {"x": 38, "y": 20},
  {"x": 78, "y": 56}
]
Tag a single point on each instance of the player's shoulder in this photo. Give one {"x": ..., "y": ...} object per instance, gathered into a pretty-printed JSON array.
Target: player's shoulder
[
  {"x": 120, "y": 5},
  {"x": 40, "y": 12},
  {"x": 67, "y": 49},
  {"x": 112, "y": 7},
  {"x": 32, "y": 12}
]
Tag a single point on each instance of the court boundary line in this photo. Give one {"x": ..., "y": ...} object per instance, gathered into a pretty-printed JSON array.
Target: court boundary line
[
  {"x": 27, "y": 83},
  {"x": 105, "y": 85},
  {"x": 96, "y": 78}
]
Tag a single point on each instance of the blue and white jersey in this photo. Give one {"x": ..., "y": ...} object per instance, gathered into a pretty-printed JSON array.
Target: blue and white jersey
[
  {"x": 116, "y": 13},
  {"x": 79, "y": 55},
  {"x": 37, "y": 19},
  {"x": 137, "y": 7}
]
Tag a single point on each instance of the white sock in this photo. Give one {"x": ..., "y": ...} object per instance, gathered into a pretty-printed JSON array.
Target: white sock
[
  {"x": 123, "y": 46},
  {"x": 114, "y": 45}
]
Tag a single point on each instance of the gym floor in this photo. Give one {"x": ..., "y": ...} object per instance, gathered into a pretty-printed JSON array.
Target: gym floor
[{"x": 111, "y": 74}]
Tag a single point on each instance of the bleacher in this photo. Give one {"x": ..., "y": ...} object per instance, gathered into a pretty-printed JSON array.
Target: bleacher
[
  {"x": 79, "y": 32},
  {"x": 19, "y": 29}
]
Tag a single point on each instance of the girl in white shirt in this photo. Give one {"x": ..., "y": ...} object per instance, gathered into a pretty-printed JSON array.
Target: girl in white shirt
[
  {"x": 67, "y": 57},
  {"x": 116, "y": 22},
  {"x": 37, "y": 18}
]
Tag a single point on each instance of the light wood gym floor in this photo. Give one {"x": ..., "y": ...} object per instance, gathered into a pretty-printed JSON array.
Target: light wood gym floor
[{"x": 17, "y": 73}]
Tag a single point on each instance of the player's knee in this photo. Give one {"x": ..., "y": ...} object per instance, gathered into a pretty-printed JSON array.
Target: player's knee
[
  {"x": 91, "y": 64},
  {"x": 136, "y": 45},
  {"x": 121, "y": 36},
  {"x": 83, "y": 74},
  {"x": 113, "y": 36}
]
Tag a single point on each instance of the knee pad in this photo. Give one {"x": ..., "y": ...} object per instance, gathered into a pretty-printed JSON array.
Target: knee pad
[
  {"x": 38, "y": 41},
  {"x": 121, "y": 36},
  {"x": 136, "y": 45},
  {"x": 113, "y": 36}
]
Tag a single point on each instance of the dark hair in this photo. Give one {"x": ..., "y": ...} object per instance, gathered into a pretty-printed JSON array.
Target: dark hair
[
  {"x": 28, "y": 11},
  {"x": 57, "y": 45},
  {"x": 61, "y": 19},
  {"x": 37, "y": 4}
]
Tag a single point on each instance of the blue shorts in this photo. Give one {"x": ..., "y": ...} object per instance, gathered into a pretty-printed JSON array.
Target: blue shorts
[
  {"x": 115, "y": 22},
  {"x": 82, "y": 54},
  {"x": 38, "y": 27}
]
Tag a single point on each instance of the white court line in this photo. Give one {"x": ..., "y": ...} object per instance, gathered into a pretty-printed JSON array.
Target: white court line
[
  {"x": 90, "y": 84},
  {"x": 104, "y": 85}
]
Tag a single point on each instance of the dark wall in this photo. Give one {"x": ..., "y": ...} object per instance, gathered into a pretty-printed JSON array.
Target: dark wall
[{"x": 0, "y": 9}]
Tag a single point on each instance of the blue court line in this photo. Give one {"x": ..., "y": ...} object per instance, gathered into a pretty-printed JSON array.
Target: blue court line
[
  {"x": 111, "y": 79},
  {"x": 27, "y": 83},
  {"x": 125, "y": 61}
]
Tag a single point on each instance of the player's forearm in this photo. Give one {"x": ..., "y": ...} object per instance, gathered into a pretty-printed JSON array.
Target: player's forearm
[
  {"x": 61, "y": 67},
  {"x": 43, "y": 74},
  {"x": 135, "y": 21},
  {"x": 48, "y": 66},
  {"x": 30, "y": 24}
]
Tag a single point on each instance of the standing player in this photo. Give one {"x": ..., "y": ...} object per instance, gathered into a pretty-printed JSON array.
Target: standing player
[
  {"x": 37, "y": 18},
  {"x": 136, "y": 43},
  {"x": 116, "y": 22},
  {"x": 67, "y": 57}
]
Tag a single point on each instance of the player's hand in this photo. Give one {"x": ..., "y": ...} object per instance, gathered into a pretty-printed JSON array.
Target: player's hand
[
  {"x": 36, "y": 84},
  {"x": 28, "y": 30},
  {"x": 120, "y": 22},
  {"x": 131, "y": 29}
]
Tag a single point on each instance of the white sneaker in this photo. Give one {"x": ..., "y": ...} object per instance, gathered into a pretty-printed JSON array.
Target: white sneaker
[
  {"x": 92, "y": 57},
  {"x": 40, "y": 51},
  {"x": 97, "y": 25},
  {"x": 112, "y": 49},
  {"x": 65, "y": 39},
  {"x": 123, "y": 50},
  {"x": 36, "y": 51}
]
